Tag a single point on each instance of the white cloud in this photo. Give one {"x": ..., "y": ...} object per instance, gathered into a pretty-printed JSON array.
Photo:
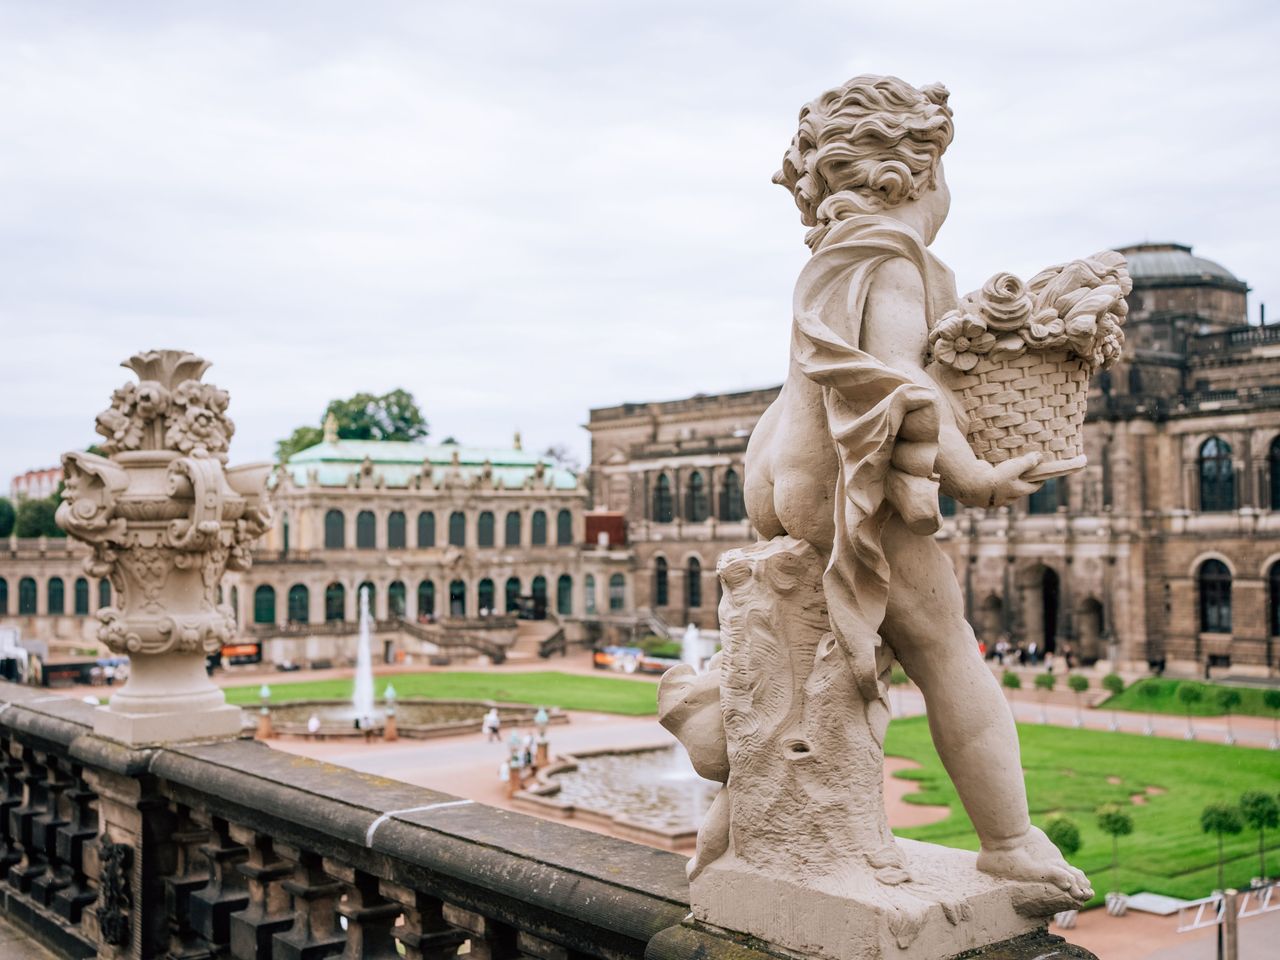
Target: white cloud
[{"x": 518, "y": 211}]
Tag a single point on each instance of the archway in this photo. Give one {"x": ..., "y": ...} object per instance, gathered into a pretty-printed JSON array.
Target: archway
[
  {"x": 1089, "y": 625},
  {"x": 1039, "y": 590}
]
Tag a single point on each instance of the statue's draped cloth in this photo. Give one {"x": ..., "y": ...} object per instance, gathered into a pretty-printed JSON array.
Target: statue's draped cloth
[{"x": 866, "y": 404}]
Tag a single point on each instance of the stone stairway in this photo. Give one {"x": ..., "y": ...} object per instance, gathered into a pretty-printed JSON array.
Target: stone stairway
[{"x": 530, "y": 635}]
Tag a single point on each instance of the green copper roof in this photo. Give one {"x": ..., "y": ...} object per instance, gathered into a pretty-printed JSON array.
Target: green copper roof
[{"x": 397, "y": 462}]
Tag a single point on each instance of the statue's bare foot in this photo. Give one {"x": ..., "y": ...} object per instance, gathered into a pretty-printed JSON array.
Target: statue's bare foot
[{"x": 1033, "y": 858}]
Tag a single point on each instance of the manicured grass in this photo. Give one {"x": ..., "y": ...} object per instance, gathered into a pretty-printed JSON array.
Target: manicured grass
[
  {"x": 569, "y": 691},
  {"x": 1166, "y": 700},
  {"x": 1067, "y": 771}
]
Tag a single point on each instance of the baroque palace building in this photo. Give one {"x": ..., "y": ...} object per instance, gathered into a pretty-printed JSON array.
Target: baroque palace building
[{"x": 1165, "y": 549}]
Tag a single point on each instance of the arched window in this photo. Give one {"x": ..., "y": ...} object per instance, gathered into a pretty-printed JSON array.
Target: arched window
[
  {"x": 564, "y": 595},
  {"x": 1217, "y": 476},
  {"x": 564, "y": 528},
  {"x": 946, "y": 505},
  {"x": 368, "y": 589},
  {"x": 335, "y": 530},
  {"x": 1214, "y": 581},
  {"x": 732, "y": 508},
  {"x": 1273, "y": 599},
  {"x": 366, "y": 530},
  {"x": 335, "y": 603},
  {"x": 396, "y": 530},
  {"x": 513, "y": 595},
  {"x": 661, "y": 588},
  {"x": 663, "y": 508},
  {"x": 1047, "y": 498},
  {"x": 104, "y": 593},
  {"x": 513, "y": 529},
  {"x": 4, "y": 597},
  {"x": 458, "y": 528},
  {"x": 693, "y": 588},
  {"x": 82, "y": 597},
  {"x": 484, "y": 529},
  {"x": 299, "y": 604},
  {"x": 589, "y": 593},
  {"x": 426, "y": 599},
  {"x": 264, "y": 604},
  {"x": 396, "y": 600},
  {"x": 1273, "y": 462},
  {"x": 457, "y": 598},
  {"x": 235, "y": 602},
  {"x": 426, "y": 529},
  {"x": 538, "y": 528},
  {"x": 695, "y": 507},
  {"x": 539, "y": 591},
  {"x": 57, "y": 596},
  {"x": 617, "y": 592},
  {"x": 484, "y": 597},
  {"x": 26, "y": 596}
]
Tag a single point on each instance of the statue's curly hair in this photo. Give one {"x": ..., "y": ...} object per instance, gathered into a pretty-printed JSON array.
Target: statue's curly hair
[{"x": 874, "y": 142}]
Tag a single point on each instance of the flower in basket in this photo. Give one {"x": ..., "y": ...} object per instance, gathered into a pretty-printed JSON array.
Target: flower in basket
[
  {"x": 1004, "y": 302},
  {"x": 1087, "y": 297},
  {"x": 959, "y": 339}
]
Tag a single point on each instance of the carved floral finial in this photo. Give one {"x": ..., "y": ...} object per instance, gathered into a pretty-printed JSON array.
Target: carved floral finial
[{"x": 330, "y": 428}]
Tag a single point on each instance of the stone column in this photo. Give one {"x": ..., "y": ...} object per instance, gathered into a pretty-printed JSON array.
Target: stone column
[{"x": 165, "y": 518}]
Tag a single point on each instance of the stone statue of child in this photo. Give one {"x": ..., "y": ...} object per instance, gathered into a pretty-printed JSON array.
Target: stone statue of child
[{"x": 851, "y": 456}]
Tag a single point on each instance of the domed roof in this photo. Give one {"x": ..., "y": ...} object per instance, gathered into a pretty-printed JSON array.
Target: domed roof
[{"x": 1172, "y": 261}]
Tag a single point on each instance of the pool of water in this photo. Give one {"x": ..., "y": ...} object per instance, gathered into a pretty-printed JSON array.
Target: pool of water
[{"x": 656, "y": 788}]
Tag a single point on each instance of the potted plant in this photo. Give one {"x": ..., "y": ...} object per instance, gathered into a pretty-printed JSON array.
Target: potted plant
[
  {"x": 1228, "y": 700},
  {"x": 1078, "y": 683},
  {"x": 1149, "y": 690},
  {"x": 1115, "y": 822},
  {"x": 1113, "y": 683},
  {"x": 1064, "y": 833},
  {"x": 1044, "y": 686},
  {"x": 1220, "y": 819}
]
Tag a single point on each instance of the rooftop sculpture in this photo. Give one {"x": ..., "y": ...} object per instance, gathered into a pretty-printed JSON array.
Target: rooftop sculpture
[{"x": 898, "y": 389}]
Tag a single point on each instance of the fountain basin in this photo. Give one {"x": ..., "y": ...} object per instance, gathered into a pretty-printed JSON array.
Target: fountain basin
[
  {"x": 648, "y": 794},
  {"x": 416, "y": 719}
]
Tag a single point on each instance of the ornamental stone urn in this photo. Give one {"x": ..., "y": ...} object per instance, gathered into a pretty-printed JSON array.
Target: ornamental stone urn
[{"x": 165, "y": 517}]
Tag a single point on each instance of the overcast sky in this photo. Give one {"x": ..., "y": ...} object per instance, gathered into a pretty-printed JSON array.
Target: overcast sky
[{"x": 522, "y": 210}]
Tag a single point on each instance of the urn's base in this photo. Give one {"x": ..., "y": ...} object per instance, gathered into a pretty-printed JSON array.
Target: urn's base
[
  {"x": 947, "y": 908},
  {"x": 140, "y": 729}
]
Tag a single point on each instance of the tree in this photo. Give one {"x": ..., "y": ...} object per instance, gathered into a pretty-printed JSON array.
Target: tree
[
  {"x": 1149, "y": 690},
  {"x": 1260, "y": 811},
  {"x": 1011, "y": 681},
  {"x": 560, "y": 455},
  {"x": 7, "y": 517},
  {"x": 34, "y": 518},
  {"x": 1114, "y": 821},
  {"x": 1078, "y": 683},
  {"x": 1271, "y": 700},
  {"x": 1064, "y": 833},
  {"x": 1045, "y": 683},
  {"x": 1113, "y": 683},
  {"x": 365, "y": 416},
  {"x": 1228, "y": 700},
  {"x": 1190, "y": 694},
  {"x": 1220, "y": 819}
]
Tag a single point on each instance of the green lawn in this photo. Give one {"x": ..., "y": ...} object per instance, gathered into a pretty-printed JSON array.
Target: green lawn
[
  {"x": 1166, "y": 700},
  {"x": 1067, "y": 771},
  {"x": 635, "y": 698}
]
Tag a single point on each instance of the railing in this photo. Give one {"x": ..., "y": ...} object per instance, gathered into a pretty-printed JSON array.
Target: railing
[
  {"x": 231, "y": 848},
  {"x": 448, "y": 635},
  {"x": 1238, "y": 338}
]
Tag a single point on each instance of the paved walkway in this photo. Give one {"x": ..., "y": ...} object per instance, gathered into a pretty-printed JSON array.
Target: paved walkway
[
  {"x": 16, "y": 945},
  {"x": 1144, "y": 936}
]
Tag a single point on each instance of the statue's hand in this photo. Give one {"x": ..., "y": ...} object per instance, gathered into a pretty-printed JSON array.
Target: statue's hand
[{"x": 985, "y": 485}]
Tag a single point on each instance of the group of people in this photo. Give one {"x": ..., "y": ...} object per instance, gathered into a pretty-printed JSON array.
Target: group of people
[
  {"x": 522, "y": 749},
  {"x": 1007, "y": 653}
]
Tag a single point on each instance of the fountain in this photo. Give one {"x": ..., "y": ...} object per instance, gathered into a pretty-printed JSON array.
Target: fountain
[{"x": 362, "y": 698}]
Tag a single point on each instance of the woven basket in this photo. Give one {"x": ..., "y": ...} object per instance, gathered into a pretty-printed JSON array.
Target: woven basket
[{"x": 1033, "y": 402}]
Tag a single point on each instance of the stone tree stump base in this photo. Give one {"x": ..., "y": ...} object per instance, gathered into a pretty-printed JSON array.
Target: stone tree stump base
[{"x": 947, "y": 909}]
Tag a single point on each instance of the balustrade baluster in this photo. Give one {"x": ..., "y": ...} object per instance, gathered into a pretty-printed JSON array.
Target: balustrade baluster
[
  {"x": 370, "y": 916},
  {"x": 270, "y": 909},
  {"x": 490, "y": 939},
  {"x": 10, "y": 800},
  {"x": 44, "y": 833},
  {"x": 315, "y": 896},
  {"x": 535, "y": 948},
  {"x": 212, "y": 906},
  {"x": 31, "y": 864},
  {"x": 424, "y": 934},
  {"x": 73, "y": 841},
  {"x": 190, "y": 873}
]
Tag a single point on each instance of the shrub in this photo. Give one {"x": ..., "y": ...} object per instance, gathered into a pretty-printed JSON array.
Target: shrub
[
  {"x": 1078, "y": 683},
  {"x": 1220, "y": 819},
  {"x": 1064, "y": 833},
  {"x": 1114, "y": 821},
  {"x": 1011, "y": 680},
  {"x": 1113, "y": 683},
  {"x": 1045, "y": 682},
  {"x": 1260, "y": 811}
]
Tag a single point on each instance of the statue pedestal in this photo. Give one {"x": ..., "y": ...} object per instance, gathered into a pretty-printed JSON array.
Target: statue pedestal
[
  {"x": 947, "y": 908},
  {"x": 168, "y": 699},
  {"x": 140, "y": 729}
]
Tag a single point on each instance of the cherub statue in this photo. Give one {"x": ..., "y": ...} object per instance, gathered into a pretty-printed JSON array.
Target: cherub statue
[{"x": 851, "y": 456}]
